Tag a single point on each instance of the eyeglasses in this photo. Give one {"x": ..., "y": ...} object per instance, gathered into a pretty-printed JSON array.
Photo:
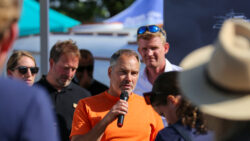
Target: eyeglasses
[
  {"x": 150, "y": 28},
  {"x": 150, "y": 96},
  {"x": 24, "y": 69},
  {"x": 82, "y": 68}
]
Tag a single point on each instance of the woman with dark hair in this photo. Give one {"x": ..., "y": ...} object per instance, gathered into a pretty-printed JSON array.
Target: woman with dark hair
[{"x": 185, "y": 121}]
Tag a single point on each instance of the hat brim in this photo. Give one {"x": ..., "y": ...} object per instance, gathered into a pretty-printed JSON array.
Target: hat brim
[{"x": 208, "y": 98}]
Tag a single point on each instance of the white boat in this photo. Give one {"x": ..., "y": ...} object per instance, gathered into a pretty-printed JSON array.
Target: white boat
[{"x": 101, "y": 43}]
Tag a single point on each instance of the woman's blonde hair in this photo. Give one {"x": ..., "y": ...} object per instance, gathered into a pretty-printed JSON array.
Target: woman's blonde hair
[{"x": 13, "y": 60}]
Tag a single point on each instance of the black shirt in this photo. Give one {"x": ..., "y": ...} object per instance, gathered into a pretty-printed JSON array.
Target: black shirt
[
  {"x": 65, "y": 103},
  {"x": 95, "y": 88}
]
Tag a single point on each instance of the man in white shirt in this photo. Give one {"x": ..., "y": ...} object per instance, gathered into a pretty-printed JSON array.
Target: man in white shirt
[{"x": 153, "y": 47}]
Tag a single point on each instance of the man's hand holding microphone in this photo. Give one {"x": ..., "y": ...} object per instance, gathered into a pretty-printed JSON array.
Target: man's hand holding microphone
[{"x": 119, "y": 110}]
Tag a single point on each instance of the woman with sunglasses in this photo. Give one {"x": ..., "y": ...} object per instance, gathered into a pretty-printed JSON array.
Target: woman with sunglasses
[
  {"x": 184, "y": 120},
  {"x": 22, "y": 65}
]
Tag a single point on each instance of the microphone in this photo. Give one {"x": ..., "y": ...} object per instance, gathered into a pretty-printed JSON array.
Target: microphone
[{"x": 123, "y": 96}]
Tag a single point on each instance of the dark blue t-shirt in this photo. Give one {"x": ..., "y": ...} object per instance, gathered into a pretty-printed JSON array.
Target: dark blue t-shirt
[
  {"x": 171, "y": 134},
  {"x": 26, "y": 113}
]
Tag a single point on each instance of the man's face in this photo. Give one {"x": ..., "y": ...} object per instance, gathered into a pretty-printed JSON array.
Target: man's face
[
  {"x": 153, "y": 51},
  {"x": 124, "y": 75},
  {"x": 64, "y": 69}
]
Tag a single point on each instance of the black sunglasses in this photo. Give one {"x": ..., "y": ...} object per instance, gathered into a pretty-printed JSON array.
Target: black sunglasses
[
  {"x": 82, "y": 68},
  {"x": 150, "y": 28},
  {"x": 24, "y": 69},
  {"x": 150, "y": 96},
  {"x": 147, "y": 97}
]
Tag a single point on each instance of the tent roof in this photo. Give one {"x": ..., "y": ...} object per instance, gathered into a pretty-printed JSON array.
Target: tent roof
[
  {"x": 29, "y": 22},
  {"x": 141, "y": 12}
]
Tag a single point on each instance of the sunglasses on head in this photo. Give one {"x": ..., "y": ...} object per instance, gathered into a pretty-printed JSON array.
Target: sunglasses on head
[
  {"x": 150, "y": 28},
  {"x": 82, "y": 68},
  {"x": 24, "y": 69}
]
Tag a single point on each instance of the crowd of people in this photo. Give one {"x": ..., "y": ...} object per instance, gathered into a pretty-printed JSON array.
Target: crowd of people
[{"x": 205, "y": 99}]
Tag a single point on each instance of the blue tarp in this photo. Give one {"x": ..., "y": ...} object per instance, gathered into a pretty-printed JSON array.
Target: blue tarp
[
  {"x": 191, "y": 24},
  {"x": 29, "y": 22},
  {"x": 141, "y": 12}
]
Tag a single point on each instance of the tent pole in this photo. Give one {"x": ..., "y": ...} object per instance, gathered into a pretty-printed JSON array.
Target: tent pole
[{"x": 44, "y": 35}]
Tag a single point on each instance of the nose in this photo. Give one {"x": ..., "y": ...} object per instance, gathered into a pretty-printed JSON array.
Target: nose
[
  {"x": 70, "y": 72},
  {"x": 149, "y": 52},
  {"x": 129, "y": 77},
  {"x": 28, "y": 74}
]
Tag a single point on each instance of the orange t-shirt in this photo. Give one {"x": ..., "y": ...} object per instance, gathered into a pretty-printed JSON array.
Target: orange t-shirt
[{"x": 141, "y": 123}]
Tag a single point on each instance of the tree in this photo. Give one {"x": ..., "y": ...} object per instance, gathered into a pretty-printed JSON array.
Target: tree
[
  {"x": 88, "y": 11},
  {"x": 116, "y": 6}
]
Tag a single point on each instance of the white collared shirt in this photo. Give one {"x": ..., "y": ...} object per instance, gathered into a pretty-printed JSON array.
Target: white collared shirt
[{"x": 143, "y": 85}]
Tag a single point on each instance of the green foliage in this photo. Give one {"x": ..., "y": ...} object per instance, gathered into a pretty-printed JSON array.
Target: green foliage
[
  {"x": 89, "y": 11},
  {"x": 116, "y": 6}
]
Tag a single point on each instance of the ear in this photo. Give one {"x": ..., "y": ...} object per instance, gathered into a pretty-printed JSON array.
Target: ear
[
  {"x": 138, "y": 49},
  {"x": 9, "y": 38},
  {"x": 51, "y": 63},
  {"x": 173, "y": 99},
  {"x": 166, "y": 47},
  {"x": 9, "y": 72},
  {"x": 109, "y": 71}
]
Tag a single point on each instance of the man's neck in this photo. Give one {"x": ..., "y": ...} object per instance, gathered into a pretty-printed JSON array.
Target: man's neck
[
  {"x": 52, "y": 82},
  {"x": 116, "y": 94},
  {"x": 153, "y": 73},
  {"x": 3, "y": 56},
  {"x": 113, "y": 93}
]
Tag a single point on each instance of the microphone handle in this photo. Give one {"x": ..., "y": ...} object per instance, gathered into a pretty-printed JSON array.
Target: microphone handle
[
  {"x": 124, "y": 96},
  {"x": 120, "y": 120}
]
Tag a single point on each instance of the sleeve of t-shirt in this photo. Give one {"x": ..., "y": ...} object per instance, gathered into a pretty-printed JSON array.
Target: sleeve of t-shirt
[
  {"x": 39, "y": 123},
  {"x": 80, "y": 123}
]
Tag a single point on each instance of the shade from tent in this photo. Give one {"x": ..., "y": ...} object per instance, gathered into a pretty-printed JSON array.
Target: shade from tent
[
  {"x": 29, "y": 22},
  {"x": 141, "y": 12}
]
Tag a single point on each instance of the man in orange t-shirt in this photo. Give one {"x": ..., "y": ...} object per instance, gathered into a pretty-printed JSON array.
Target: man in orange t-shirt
[{"x": 95, "y": 118}]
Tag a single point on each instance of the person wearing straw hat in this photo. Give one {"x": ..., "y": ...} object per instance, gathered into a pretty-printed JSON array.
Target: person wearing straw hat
[{"x": 217, "y": 80}]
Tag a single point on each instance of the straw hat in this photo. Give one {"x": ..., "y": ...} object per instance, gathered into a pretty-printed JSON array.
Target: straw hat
[{"x": 217, "y": 77}]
